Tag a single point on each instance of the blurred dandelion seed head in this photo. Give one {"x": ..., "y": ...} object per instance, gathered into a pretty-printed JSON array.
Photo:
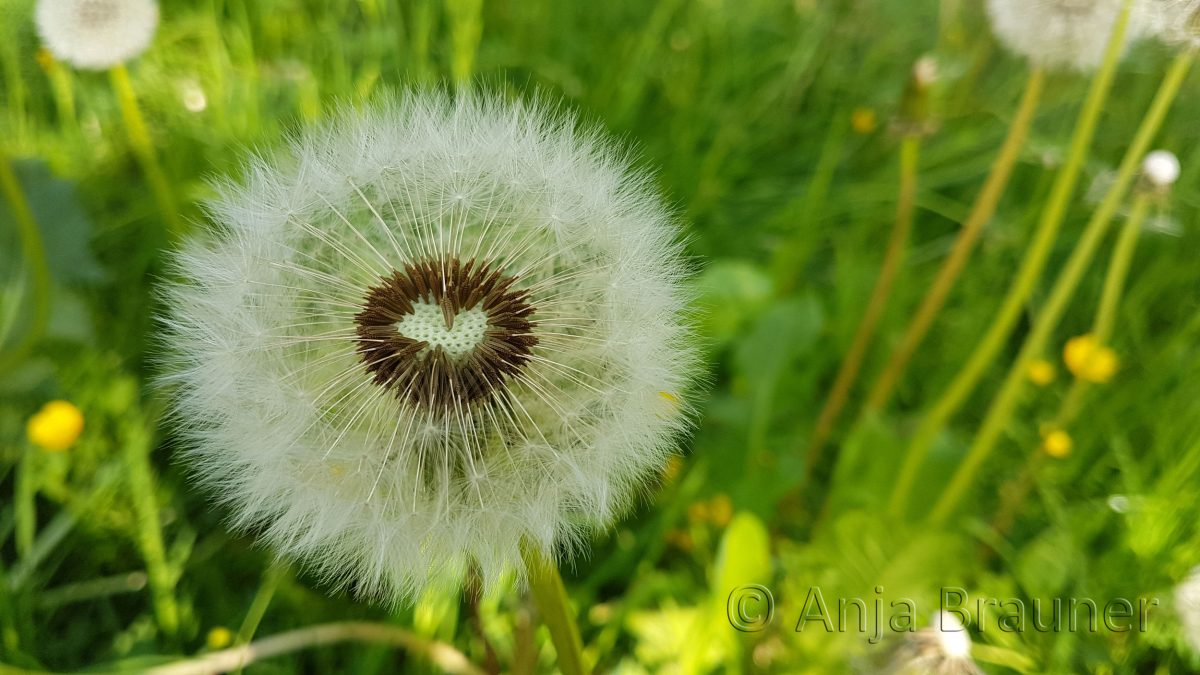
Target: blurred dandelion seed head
[
  {"x": 943, "y": 647},
  {"x": 1174, "y": 22},
  {"x": 96, "y": 34},
  {"x": 1056, "y": 34},
  {"x": 436, "y": 329},
  {"x": 1161, "y": 169},
  {"x": 1187, "y": 608}
]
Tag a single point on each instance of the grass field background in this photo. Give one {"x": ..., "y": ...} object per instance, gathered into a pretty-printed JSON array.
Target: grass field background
[{"x": 768, "y": 125}]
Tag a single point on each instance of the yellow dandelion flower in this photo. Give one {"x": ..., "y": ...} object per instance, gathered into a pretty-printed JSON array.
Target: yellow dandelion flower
[
  {"x": 680, "y": 539},
  {"x": 56, "y": 426},
  {"x": 1089, "y": 360},
  {"x": 219, "y": 638},
  {"x": 1041, "y": 372},
  {"x": 1056, "y": 443},
  {"x": 720, "y": 510},
  {"x": 864, "y": 120}
]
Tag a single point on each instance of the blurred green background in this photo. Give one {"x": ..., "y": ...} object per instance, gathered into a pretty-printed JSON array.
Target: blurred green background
[{"x": 768, "y": 124}]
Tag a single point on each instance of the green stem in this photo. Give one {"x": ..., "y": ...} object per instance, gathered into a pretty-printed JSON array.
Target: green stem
[
  {"x": 910, "y": 150},
  {"x": 551, "y": 599},
  {"x": 466, "y": 30},
  {"x": 1102, "y": 326},
  {"x": 1009, "y": 395},
  {"x": 24, "y": 506},
  {"x": 1027, "y": 276},
  {"x": 143, "y": 147},
  {"x": 140, "y": 476},
  {"x": 981, "y": 213},
  {"x": 35, "y": 259},
  {"x": 259, "y": 605},
  {"x": 64, "y": 96}
]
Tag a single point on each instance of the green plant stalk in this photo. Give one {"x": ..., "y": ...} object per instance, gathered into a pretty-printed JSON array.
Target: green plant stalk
[
  {"x": 140, "y": 477},
  {"x": 1031, "y": 268},
  {"x": 466, "y": 30},
  {"x": 258, "y": 606},
  {"x": 910, "y": 151},
  {"x": 791, "y": 254},
  {"x": 24, "y": 507},
  {"x": 34, "y": 253},
  {"x": 1106, "y": 315},
  {"x": 555, "y": 610},
  {"x": 143, "y": 147},
  {"x": 1009, "y": 395},
  {"x": 964, "y": 244},
  {"x": 64, "y": 95},
  {"x": 442, "y": 655}
]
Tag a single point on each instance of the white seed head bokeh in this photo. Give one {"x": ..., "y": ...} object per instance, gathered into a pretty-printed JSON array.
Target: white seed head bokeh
[
  {"x": 1056, "y": 34},
  {"x": 1174, "y": 22},
  {"x": 1161, "y": 168},
  {"x": 377, "y": 491},
  {"x": 96, "y": 34},
  {"x": 941, "y": 648}
]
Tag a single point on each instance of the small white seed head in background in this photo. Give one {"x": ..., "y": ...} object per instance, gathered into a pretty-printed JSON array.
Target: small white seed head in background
[
  {"x": 96, "y": 34},
  {"x": 1056, "y": 34},
  {"x": 1161, "y": 169}
]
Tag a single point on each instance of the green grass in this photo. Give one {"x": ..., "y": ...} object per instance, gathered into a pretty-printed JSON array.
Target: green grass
[{"x": 111, "y": 559}]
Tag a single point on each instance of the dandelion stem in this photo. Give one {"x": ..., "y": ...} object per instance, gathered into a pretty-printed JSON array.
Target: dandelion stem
[
  {"x": 551, "y": 599},
  {"x": 981, "y": 213},
  {"x": 1110, "y": 298},
  {"x": 1014, "y": 496},
  {"x": 35, "y": 260},
  {"x": 910, "y": 149},
  {"x": 442, "y": 655},
  {"x": 1047, "y": 320},
  {"x": 143, "y": 147},
  {"x": 466, "y": 29},
  {"x": 1031, "y": 268},
  {"x": 140, "y": 476}
]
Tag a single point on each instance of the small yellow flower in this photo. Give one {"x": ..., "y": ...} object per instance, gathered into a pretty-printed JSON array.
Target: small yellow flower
[
  {"x": 680, "y": 539},
  {"x": 219, "y": 638},
  {"x": 864, "y": 120},
  {"x": 56, "y": 426},
  {"x": 698, "y": 512},
  {"x": 1089, "y": 360},
  {"x": 1041, "y": 372},
  {"x": 720, "y": 510},
  {"x": 1056, "y": 443}
]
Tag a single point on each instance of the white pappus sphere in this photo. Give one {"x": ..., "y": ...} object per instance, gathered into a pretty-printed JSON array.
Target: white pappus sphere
[
  {"x": 435, "y": 330},
  {"x": 96, "y": 34},
  {"x": 1161, "y": 168},
  {"x": 1056, "y": 34},
  {"x": 1174, "y": 22}
]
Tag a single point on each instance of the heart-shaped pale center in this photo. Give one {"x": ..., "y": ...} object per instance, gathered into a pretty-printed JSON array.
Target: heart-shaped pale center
[{"x": 427, "y": 323}]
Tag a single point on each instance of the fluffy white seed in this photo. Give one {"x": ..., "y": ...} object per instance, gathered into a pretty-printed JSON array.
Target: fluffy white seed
[
  {"x": 1175, "y": 22},
  {"x": 284, "y": 423},
  {"x": 1056, "y": 34},
  {"x": 1161, "y": 168},
  {"x": 96, "y": 34},
  {"x": 943, "y": 647}
]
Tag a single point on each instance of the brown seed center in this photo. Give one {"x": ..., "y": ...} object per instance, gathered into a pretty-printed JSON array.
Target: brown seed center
[{"x": 442, "y": 333}]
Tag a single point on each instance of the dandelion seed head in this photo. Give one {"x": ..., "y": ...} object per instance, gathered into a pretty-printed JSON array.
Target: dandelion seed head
[
  {"x": 432, "y": 331},
  {"x": 1187, "y": 608},
  {"x": 1056, "y": 34},
  {"x": 1161, "y": 169},
  {"x": 1174, "y": 22},
  {"x": 96, "y": 34},
  {"x": 943, "y": 647}
]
